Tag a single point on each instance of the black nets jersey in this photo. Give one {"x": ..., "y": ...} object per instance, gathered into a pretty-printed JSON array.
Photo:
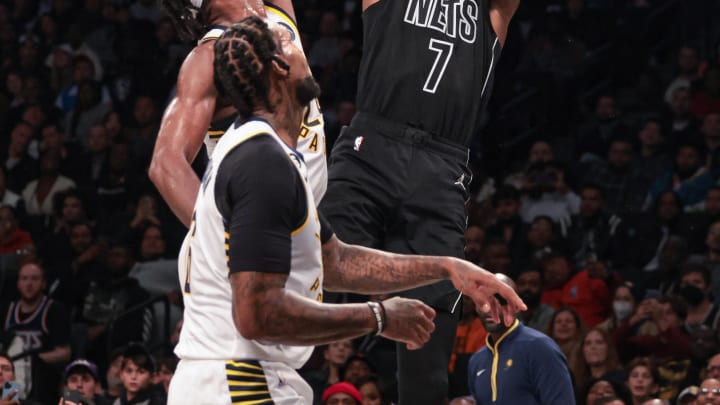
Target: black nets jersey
[{"x": 429, "y": 64}]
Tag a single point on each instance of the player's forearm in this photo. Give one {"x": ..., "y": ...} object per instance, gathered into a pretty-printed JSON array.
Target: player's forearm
[
  {"x": 177, "y": 183},
  {"x": 283, "y": 317},
  {"x": 59, "y": 354},
  {"x": 368, "y": 271}
]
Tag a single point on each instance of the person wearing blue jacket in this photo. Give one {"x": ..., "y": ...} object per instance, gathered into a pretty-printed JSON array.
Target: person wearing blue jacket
[{"x": 518, "y": 365}]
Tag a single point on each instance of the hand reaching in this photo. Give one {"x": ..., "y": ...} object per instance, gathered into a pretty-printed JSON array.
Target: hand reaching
[
  {"x": 487, "y": 291},
  {"x": 408, "y": 321}
]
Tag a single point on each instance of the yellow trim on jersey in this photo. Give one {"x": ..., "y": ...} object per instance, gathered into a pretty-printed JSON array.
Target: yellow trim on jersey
[
  {"x": 301, "y": 227},
  {"x": 238, "y": 373},
  {"x": 247, "y": 384},
  {"x": 215, "y": 134},
  {"x": 256, "y": 402},
  {"x": 496, "y": 357},
  {"x": 211, "y": 35},
  {"x": 244, "y": 364},
  {"x": 284, "y": 16}
]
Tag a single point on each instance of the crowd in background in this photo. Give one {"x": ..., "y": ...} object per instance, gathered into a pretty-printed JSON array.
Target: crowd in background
[{"x": 595, "y": 188}]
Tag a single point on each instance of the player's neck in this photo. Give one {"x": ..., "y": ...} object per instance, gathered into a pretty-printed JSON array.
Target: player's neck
[
  {"x": 30, "y": 305},
  {"x": 227, "y": 12}
]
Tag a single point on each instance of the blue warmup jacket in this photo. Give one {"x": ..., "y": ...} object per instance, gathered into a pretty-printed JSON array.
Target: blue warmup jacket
[{"x": 523, "y": 367}]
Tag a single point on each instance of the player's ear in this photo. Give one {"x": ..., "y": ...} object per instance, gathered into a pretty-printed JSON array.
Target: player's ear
[{"x": 280, "y": 66}]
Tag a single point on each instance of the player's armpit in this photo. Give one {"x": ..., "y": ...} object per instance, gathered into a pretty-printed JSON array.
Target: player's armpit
[
  {"x": 501, "y": 12},
  {"x": 264, "y": 310},
  {"x": 182, "y": 131}
]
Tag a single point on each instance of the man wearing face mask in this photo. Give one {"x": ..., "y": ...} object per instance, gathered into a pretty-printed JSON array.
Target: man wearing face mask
[
  {"x": 529, "y": 288},
  {"x": 695, "y": 290}
]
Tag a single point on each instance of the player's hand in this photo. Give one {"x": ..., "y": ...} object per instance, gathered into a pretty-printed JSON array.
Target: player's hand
[
  {"x": 487, "y": 291},
  {"x": 408, "y": 321}
]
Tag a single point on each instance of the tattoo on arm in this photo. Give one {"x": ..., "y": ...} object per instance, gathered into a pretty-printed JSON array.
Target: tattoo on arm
[
  {"x": 368, "y": 271},
  {"x": 263, "y": 309}
]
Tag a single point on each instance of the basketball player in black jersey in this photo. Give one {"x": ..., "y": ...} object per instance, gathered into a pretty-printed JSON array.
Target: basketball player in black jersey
[{"x": 398, "y": 174}]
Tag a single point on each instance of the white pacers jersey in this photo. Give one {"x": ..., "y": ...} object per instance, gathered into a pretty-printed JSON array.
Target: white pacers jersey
[
  {"x": 208, "y": 331},
  {"x": 311, "y": 140}
]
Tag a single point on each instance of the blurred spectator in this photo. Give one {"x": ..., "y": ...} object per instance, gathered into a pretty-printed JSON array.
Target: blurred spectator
[
  {"x": 597, "y": 358},
  {"x": 344, "y": 113},
  {"x": 593, "y": 139},
  {"x": 335, "y": 355},
  {"x": 540, "y": 152},
  {"x": 114, "y": 126},
  {"x": 82, "y": 375},
  {"x": 45, "y": 329},
  {"x": 679, "y": 122},
  {"x": 83, "y": 70},
  {"x": 8, "y": 197},
  {"x": 642, "y": 380},
  {"x": 589, "y": 232},
  {"x": 598, "y": 389},
  {"x": 138, "y": 368},
  {"x": 662, "y": 337},
  {"x": 496, "y": 257},
  {"x": 695, "y": 290},
  {"x": 548, "y": 193},
  {"x": 39, "y": 193},
  {"x": 709, "y": 392},
  {"x": 342, "y": 393},
  {"x": 567, "y": 330},
  {"x": 474, "y": 243},
  {"x": 710, "y": 131},
  {"x": 543, "y": 237},
  {"x": 695, "y": 227},
  {"x": 325, "y": 51},
  {"x": 688, "y": 395},
  {"x": 13, "y": 240},
  {"x": 72, "y": 162},
  {"x": 89, "y": 110},
  {"x": 687, "y": 70},
  {"x": 623, "y": 186},
  {"x": 114, "y": 383},
  {"x": 706, "y": 99},
  {"x": 20, "y": 166},
  {"x": 623, "y": 305},
  {"x": 652, "y": 159},
  {"x": 166, "y": 370},
  {"x": 113, "y": 189},
  {"x": 110, "y": 299},
  {"x": 356, "y": 367},
  {"x": 143, "y": 134},
  {"x": 509, "y": 225},
  {"x": 556, "y": 270},
  {"x": 146, "y": 10},
  {"x": 690, "y": 179},
  {"x": 371, "y": 390},
  {"x": 711, "y": 258},
  {"x": 588, "y": 292},
  {"x": 530, "y": 289}
]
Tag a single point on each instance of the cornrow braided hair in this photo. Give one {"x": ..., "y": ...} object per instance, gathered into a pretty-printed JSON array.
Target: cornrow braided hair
[
  {"x": 243, "y": 58},
  {"x": 187, "y": 19}
]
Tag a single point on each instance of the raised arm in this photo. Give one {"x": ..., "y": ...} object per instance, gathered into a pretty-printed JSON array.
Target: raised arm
[
  {"x": 182, "y": 131},
  {"x": 501, "y": 12},
  {"x": 368, "y": 271}
]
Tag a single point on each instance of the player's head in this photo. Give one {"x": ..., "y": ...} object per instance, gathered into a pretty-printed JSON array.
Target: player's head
[
  {"x": 253, "y": 60},
  {"x": 485, "y": 315},
  {"x": 187, "y": 17}
]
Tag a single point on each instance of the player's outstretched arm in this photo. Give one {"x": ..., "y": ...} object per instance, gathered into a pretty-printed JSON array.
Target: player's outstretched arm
[
  {"x": 264, "y": 310},
  {"x": 182, "y": 131},
  {"x": 362, "y": 270},
  {"x": 501, "y": 12}
]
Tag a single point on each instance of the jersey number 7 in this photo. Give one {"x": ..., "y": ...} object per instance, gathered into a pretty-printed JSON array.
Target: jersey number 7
[{"x": 443, "y": 50}]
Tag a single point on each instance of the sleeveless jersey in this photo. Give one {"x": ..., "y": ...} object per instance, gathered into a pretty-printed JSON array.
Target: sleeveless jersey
[
  {"x": 209, "y": 332},
  {"x": 33, "y": 329},
  {"x": 311, "y": 140},
  {"x": 428, "y": 64}
]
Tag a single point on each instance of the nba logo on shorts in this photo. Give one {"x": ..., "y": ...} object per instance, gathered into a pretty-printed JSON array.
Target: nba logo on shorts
[{"x": 358, "y": 143}]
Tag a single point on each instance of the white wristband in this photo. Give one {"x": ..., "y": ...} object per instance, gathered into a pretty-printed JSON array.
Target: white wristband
[{"x": 375, "y": 307}]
